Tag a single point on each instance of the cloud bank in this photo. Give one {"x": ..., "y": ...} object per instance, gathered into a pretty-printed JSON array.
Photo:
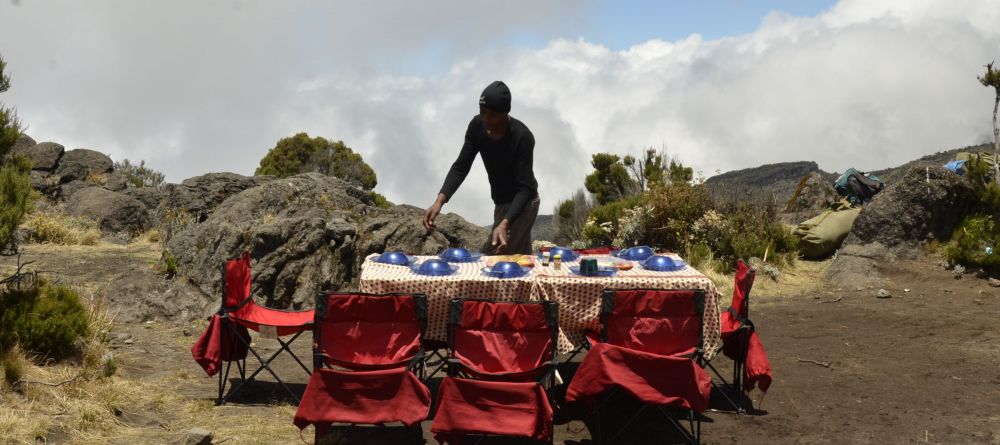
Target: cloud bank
[{"x": 199, "y": 89}]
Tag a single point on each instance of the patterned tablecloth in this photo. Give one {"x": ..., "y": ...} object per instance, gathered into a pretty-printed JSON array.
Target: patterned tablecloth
[{"x": 579, "y": 297}]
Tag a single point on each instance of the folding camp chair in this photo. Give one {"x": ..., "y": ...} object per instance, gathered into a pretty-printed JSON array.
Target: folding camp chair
[
  {"x": 739, "y": 338},
  {"x": 239, "y": 312},
  {"x": 367, "y": 349},
  {"x": 500, "y": 355},
  {"x": 649, "y": 343}
]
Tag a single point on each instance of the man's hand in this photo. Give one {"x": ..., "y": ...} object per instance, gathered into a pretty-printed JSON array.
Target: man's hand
[
  {"x": 500, "y": 235},
  {"x": 433, "y": 211}
]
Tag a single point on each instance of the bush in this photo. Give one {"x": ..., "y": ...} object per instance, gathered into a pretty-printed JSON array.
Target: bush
[
  {"x": 15, "y": 198},
  {"x": 675, "y": 209},
  {"x": 380, "y": 201},
  {"x": 45, "y": 321},
  {"x": 137, "y": 176},
  {"x": 302, "y": 154},
  {"x": 169, "y": 264},
  {"x": 750, "y": 232},
  {"x": 172, "y": 222},
  {"x": 604, "y": 223},
  {"x": 974, "y": 240}
]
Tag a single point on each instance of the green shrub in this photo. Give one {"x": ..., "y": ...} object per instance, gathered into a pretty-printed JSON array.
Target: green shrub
[
  {"x": 698, "y": 254},
  {"x": 302, "y": 154},
  {"x": 169, "y": 264},
  {"x": 138, "y": 175},
  {"x": 380, "y": 201},
  {"x": 45, "y": 321},
  {"x": 15, "y": 198},
  {"x": 675, "y": 209},
  {"x": 604, "y": 222}
]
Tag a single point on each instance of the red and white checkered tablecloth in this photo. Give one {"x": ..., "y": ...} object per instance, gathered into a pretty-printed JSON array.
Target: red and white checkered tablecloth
[{"x": 579, "y": 297}]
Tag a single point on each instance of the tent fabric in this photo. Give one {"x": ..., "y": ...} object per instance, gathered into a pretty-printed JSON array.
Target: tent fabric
[
  {"x": 220, "y": 343},
  {"x": 503, "y": 338},
  {"x": 664, "y": 322},
  {"x": 466, "y": 406},
  {"x": 821, "y": 235},
  {"x": 378, "y": 396},
  {"x": 651, "y": 378},
  {"x": 364, "y": 331},
  {"x": 956, "y": 166}
]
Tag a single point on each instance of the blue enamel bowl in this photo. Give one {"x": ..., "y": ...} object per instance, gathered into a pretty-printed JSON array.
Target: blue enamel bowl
[
  {"x": 637, "y": 253},
  {"x": 397, "y": 258},
  {"x": 662, "y": 263},
  {"x": 505, "y": 269},
  {"x": 458, "y": 255},
  {"x": 565, "y": 254},
  {"x": 434, "y": 268}
]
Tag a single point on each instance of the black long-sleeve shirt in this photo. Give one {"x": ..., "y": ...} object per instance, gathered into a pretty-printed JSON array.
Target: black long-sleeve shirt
[{"x": 508, "y": 165}]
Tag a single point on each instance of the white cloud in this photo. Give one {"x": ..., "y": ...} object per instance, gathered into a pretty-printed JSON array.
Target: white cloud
[{"x": 865, "y": 84}]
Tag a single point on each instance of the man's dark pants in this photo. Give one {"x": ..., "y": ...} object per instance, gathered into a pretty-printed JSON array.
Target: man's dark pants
[{"x": 518, "y": 232}]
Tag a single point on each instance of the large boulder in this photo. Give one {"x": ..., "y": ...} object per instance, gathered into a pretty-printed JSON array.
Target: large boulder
[
  {"x": 813, "y": 195},
  {"x": 22, "y": 143},
  {"x": 44, "y": 156},
  {"x": 306, "y": 233},
  {"x": 67, "y": 190},
  {"x": 926, "y": 204},
  {"x": 114, "y": 212},
  {"x": 80, "y": 163},
  {"x": 202, "y": 194}
]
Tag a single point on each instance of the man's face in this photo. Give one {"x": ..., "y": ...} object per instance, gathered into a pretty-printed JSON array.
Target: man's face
[{"x": 494, "y": 120}]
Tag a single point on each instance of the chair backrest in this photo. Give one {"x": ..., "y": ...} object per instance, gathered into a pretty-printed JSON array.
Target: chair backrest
[
  {"x": 369, "y": 329},
  {"x": 658, "y": 321},
  {"x": 741, "y": 290},
  {"x": 503, "y": 336},
  {"x": 235, "y": 281}
]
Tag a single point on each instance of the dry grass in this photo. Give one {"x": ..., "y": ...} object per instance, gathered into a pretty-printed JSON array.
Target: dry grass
[{"x": 55, "y": 227}]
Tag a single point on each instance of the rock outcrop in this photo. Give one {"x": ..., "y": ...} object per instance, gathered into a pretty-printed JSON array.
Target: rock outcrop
[
  {"x": 926, "y": 204},
  {"x": 307, "y": 233},
  {"x": 44, "y": 157},
  {"x": 113, "y": 211},
  {"x": 81, "y": 164}
]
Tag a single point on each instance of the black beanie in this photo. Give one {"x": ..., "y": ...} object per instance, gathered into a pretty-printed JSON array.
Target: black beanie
[{"x": 496, "y": 97}]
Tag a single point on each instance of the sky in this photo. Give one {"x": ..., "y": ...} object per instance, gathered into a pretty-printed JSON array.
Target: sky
[{"x": 193, "y": 87}]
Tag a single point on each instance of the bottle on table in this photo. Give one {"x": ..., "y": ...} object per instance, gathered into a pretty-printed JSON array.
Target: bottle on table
[{"x": 557, "y": 261}]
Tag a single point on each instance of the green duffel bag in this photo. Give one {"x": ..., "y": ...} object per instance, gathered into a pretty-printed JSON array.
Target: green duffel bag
[{"x": 821, "y": 235}]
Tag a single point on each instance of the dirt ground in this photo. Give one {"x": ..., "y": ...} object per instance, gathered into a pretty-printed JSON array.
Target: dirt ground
[{"x": 920, "y": 367}]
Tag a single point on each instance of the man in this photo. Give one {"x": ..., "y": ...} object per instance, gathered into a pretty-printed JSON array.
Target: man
[{"x": 506, "y": 146}]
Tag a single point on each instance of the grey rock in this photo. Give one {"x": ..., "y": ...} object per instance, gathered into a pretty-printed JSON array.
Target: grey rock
[
  {"x": 200, "y": 195},
  {"x": 80, "y": 163},
  {"x": 114, "y": 212},
  {"x": 857, "y": 266},
  {"x": 813, "y": 195},
  {"x": 148, "y": 196},
  {"x": 993, "y": 282},
  {"x": 913, "y": 209},
  {"x": 115, "y": 183},
  {"x": 67, "y": 190},
  {"x": 23, "y": 142},
  {"x": 306, "y": 233},
  {"x": 45, "y": 183},
  {"x": 143, "y": 297},
  {"x": 882, "y": 293},
  {"x": 198, "y": 436},
  {"x": 44, "y": 156}
]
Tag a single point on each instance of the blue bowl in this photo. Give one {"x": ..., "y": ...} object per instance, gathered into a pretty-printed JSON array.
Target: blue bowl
[
  {"x": 662, "y": 263},
  {"x": 397, "y": 258},
  {"x": 458, "y": 255},
  {"x": 637, "y": 253},
  {"x": 601, "y": 271},
  {"x": 435, "y": 268},
  {"x": 505, "y": 269},
  {"x": 565, "y": 254}
]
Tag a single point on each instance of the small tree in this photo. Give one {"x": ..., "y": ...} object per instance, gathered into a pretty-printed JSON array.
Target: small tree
[
  {"x": 610, "y": 180},
  {"x": 992, "y": 79},
  {"x": 648, "y": 170},
  {"x": 570, "y": 217},
  {"x": 15, "y": 187}
]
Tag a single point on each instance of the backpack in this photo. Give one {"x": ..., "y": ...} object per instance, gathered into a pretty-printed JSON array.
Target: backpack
[{"x": 857, "y": 186}]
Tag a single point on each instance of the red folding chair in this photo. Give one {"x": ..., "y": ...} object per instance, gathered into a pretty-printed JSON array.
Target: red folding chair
[
  {"x": 741, "y": 343},
  {"x": 649, "y": 343},
  {"x": 367, "y": 348},
  {"x": 228, "y": 331},
  {"x": 500, "y": 353}
]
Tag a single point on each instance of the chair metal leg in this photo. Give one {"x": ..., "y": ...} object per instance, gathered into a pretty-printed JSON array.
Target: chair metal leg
[{"x": 264, "y": 365}]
